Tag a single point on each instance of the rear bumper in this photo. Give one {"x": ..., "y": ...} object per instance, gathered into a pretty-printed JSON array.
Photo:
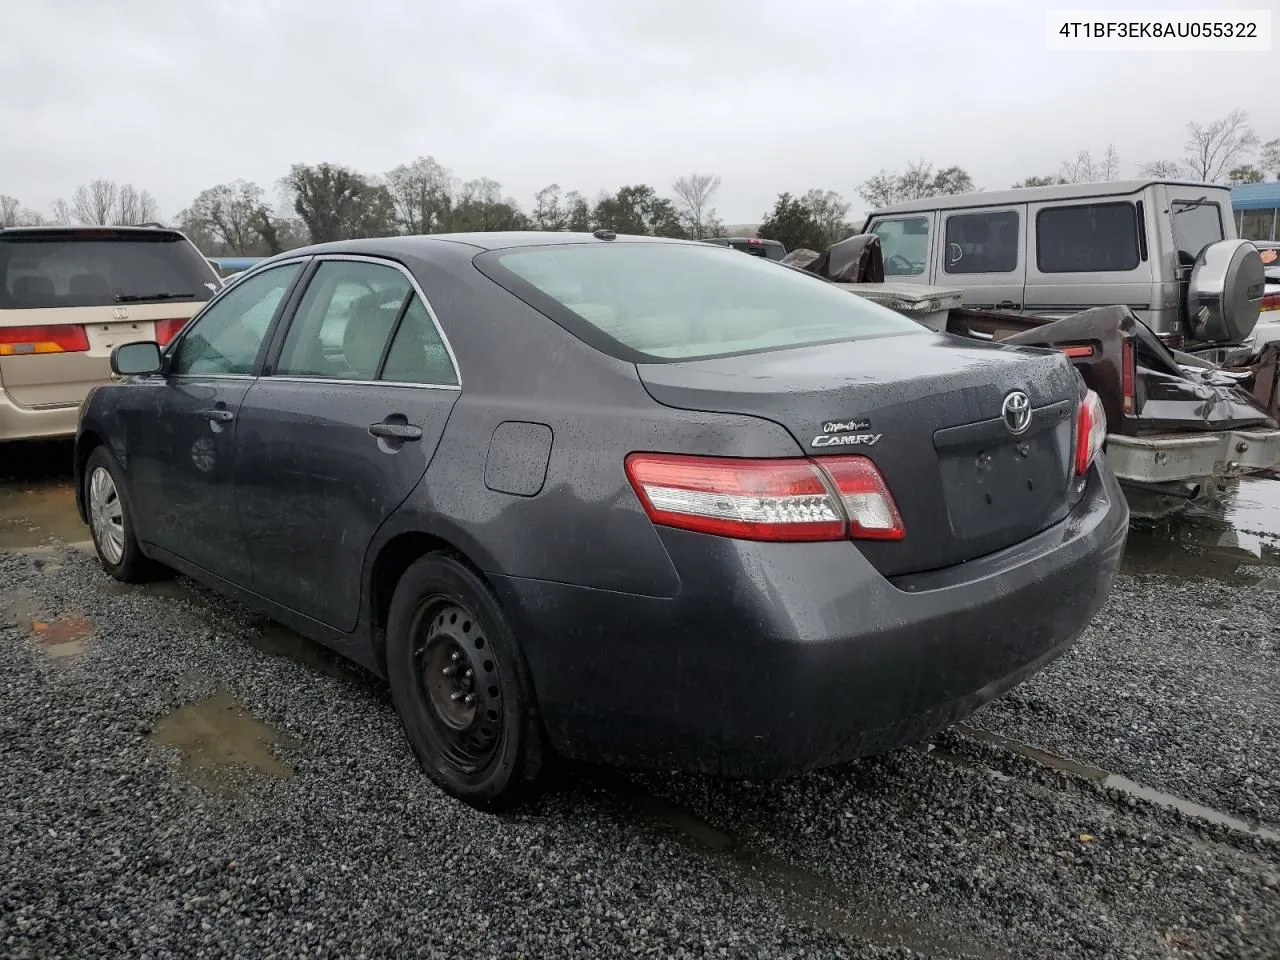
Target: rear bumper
[
  {"x": 28, "y": 423},
  {"x": 1170, "y": 457},
  {"x": 776, "y": 658}
]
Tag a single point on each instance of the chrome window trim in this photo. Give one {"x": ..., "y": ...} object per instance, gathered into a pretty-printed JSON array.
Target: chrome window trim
[
  {"x": 292, "y": 378},
  {"x": 435, "y": 322}
]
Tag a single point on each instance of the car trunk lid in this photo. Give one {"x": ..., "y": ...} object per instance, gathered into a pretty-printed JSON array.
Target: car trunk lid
[{"x": 930, "y": 412}]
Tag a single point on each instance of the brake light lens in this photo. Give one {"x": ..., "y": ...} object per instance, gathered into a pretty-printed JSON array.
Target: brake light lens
[
  {"x": 1091, "y": 431},
  {"x": 756, "y": 499},
  {"x": 48, "y": 338},
  {"x": 1128, "y": 368},
  {"x": 166, "y": 330},
  {"x": 1078, "y": 351}
]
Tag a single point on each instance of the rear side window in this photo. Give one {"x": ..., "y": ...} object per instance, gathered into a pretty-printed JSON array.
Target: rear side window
[
  {"x": 1196, "y": 224},
  {"x": 904, "y": 244},
  {"x": 982, "y": 242},
  {"x": 417, "y": 353},
  {"x": 344, "y": 320},
  {"x": 96, "y": 268},
  {"x": 653, "y": 301},
  {"x": 1087, "y": 238}
]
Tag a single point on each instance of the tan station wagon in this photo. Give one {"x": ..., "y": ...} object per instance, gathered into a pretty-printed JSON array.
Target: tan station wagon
[{"x": 69, "y": 296}]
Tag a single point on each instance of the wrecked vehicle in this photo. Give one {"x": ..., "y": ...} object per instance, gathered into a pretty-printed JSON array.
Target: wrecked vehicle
[{"x": 1178, "y": 423}]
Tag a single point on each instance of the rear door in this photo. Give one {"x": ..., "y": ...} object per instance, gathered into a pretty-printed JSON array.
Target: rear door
[
  {"x": 983, "y": 252},
  {"x": 68, "y": 297},
  {"x": 906, "y": 243},
  {"x": 338, "y": 431}
]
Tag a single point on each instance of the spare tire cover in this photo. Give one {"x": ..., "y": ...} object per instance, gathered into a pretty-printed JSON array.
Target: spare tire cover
[{"x": 1225, "y": 294}]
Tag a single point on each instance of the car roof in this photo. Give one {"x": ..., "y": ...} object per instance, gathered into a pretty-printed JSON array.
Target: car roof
[
  {"x": 417, "y": 245},
  {"x": 1062, "y": 191}
]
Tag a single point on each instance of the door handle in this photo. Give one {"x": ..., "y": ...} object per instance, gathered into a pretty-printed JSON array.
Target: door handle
[
  {"x": 395, "y": 431},
  {"x": 219, "y": 416},
  {"x": 1008, "y": 305}
]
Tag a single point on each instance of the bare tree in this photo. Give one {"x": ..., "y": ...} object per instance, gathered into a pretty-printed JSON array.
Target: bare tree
[
  {"x": 1214, "y": 148},
  {"x": 694, "y": 196},
  {"x": 95, "y": 202},
  {"x": 1084, "y": 168},
  {"x": 9, "y": 207},
  {"x": 228, "y": 214},
  {"x": 62, "y": 214},
  {"x": 918, "y": 181},
  {"x": 1162, "y": 170},
  {"x": 134, "y": 206},
  {"x": 423, "y": 193},
  {"x": 1269, "y": 158}
]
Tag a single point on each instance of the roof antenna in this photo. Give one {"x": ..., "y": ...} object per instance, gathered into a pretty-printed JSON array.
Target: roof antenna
[{"x": 603, "y": 234}]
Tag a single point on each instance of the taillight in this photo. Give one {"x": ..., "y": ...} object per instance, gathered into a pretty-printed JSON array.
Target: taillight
[
  {"x": 1091, "y": 431},
  {"x": 49, "y": 338},
  {"x": 166, "y": 330},
  {"x": 780, "y": 500},
  {"x": 1128, "y": 367},
  {"x": 1078, "y": 351}
]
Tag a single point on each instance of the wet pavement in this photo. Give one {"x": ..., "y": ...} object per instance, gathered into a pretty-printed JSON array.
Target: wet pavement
[{"x": 941, "y": 850}]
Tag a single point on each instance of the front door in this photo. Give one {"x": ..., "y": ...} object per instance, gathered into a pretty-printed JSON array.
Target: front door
[
  {"x": 337, "y": 433},
  {"x": 181, "y": 444}
]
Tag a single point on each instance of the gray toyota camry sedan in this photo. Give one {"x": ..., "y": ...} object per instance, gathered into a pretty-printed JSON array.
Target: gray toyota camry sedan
[{"x": 629, "y": 500}]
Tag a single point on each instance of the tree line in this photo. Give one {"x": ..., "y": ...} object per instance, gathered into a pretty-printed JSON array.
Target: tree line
[{"x": 329, "y": 201}]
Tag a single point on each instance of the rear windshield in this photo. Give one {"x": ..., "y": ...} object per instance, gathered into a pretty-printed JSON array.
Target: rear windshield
[
  {"x": 654, "y": 301},
  {"x": 101, "y": 268},
  {"x": 1196, "y": 224},
  {"x": 770, "y": 251}
]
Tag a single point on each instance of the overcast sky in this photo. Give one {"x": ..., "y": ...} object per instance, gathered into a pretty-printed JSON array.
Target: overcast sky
[{"x": 771, "y": 95}]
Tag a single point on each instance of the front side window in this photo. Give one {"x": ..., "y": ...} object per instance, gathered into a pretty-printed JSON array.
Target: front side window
[
  {"x": 228, "y": 336},
  {"x": 1087, "y": 238},
  {"x": 982, "y": 242},
  {"x": 343, "y": 321},
  {"x": 1196, "y": 224},
  {"x": 905, "y": 245},
  {"x": 653, "y": 301}
]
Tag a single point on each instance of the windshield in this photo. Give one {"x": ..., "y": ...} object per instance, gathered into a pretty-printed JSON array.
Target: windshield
[
  {"x": 684, "y": 301},
  {"x": 101, "y": 268},
  {"x": 1196, "y": 224}
]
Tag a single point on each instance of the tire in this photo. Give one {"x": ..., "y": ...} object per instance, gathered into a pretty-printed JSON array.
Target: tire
[
  {"x": 111, "y": 522},
  {"x": 445, "y": 621}
]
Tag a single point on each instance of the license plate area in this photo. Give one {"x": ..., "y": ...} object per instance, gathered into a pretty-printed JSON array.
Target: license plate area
[{"x": 996, "y": 482}]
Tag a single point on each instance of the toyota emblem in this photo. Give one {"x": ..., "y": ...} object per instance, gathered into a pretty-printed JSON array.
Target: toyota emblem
[{"x": 1016, "y": 412}]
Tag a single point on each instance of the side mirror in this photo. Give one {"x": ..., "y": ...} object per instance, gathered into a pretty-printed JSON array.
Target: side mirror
[{"x": 136, "y": 359}]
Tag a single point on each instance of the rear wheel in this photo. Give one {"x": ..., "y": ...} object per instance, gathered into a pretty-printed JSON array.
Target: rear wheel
[
  {"x": 461, "y": 686},
  {"x": 110, "y": 522}
]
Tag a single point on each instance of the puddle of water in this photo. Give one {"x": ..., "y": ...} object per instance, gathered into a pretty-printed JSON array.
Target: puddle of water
[
  {"x": 1211, "y": 539},
  {"x": 1113, "y": 781},
  {"x": 805, "y": 894},
  {"x": 64, "y": 637},
  {"x": 31, "y": 516},
  {"x": 218, "y": 733}
]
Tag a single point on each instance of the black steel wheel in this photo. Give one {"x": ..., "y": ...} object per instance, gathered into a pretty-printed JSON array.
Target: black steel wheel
[{"x": 461, "y": 686}]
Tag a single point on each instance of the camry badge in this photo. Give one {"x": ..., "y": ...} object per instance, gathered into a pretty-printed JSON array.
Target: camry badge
[{"x": 1016, "y": 412}]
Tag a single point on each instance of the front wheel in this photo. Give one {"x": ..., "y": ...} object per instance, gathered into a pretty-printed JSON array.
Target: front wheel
[
  {"x": 461, "y": 686},
  {"x": 110, "y": 522}
]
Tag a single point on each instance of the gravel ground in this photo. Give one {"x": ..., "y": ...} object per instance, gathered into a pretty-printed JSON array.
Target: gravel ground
[
  {"x": 1178, "y": 688},
  {"x": 112, "y": 844}
]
